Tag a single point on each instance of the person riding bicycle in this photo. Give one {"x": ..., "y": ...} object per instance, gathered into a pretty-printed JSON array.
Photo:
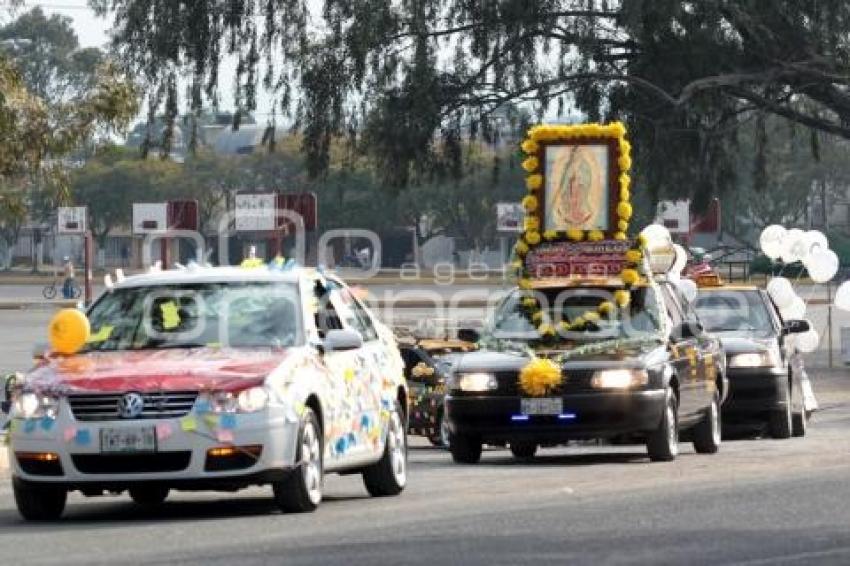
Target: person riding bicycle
[{"x": 68, "y": 275}]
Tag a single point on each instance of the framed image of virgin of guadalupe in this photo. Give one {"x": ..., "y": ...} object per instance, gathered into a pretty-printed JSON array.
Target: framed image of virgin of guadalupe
[{"x": 578, "y": 186}]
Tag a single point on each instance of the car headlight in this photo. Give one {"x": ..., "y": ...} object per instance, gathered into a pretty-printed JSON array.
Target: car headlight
[
  {"x": 248, "y": 400},
  {"x": 31, "y": 405},
  {"x": 619, "y": 378},
  {"x": 475, "y": 382},
  {"x": 763, "y": 359}
]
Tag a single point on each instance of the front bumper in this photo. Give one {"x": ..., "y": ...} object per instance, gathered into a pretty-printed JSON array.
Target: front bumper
[
  {"x": 755, "y": 392},
  {"x": 181, "y": 458},
  {"x": 594, "y": 415}
]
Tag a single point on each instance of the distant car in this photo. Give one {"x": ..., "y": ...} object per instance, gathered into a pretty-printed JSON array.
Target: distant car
[
  {"x": 652, "y": 373},
  {"x": 765, "y": 371},
  {"x": 427, "y": 364},
  {"x": 214, "y": 378}
]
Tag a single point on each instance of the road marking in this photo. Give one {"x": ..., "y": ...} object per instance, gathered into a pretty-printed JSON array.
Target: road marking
[{"x": 787, "y": 558}]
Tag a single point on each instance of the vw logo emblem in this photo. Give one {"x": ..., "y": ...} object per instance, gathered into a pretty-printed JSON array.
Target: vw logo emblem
[{"x": 130, "y": 406}]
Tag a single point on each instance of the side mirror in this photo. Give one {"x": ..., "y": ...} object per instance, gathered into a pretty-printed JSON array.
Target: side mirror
[
  {"x": 468, "y": 335},
  {"x": 796, "y": 326},
  {"x": 688, "y": 329},
  {"x": 342, "y": 340}
]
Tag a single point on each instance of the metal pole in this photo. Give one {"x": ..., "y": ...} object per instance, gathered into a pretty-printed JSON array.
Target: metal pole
[
  {"x": 165, "y": 252},
  {"x": 88, "y": 252},
  {"x": 829, "y": 319}
]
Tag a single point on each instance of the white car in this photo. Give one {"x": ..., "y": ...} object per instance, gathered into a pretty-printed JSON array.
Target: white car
[{"x": 214, "y": 378}]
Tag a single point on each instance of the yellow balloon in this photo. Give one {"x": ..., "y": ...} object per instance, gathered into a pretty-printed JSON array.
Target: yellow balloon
[{"x": 68, "y": 331}]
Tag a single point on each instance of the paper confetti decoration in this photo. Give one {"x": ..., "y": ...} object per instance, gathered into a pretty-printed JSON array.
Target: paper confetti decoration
[
  {"x": 83, "y": 437},
  {"x": 101, "y": 335},
  {"x": 202, "y": 406},
  {"x": 188, "y": 424},
  {"x": 224, "y": 436},
  {"x": 47, "y": 423},
  {"x": 163, "y": 431},
  {"x": 70, "y": 433},
  {"x": 211, "y": 420},
  {"x": 228, "y": 421},
  {"x": 29, "y": 425},
  {"x": 170, "y": 315}
]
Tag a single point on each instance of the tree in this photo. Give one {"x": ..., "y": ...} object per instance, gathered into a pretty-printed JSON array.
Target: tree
[{"x": 683, "y": 74}]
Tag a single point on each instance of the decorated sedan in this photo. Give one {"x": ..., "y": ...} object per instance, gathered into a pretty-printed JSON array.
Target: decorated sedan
[
  {"x": 767, "y": 379},
  {"x": 211, "y": 378}
]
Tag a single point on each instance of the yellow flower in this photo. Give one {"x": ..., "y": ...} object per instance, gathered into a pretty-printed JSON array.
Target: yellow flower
[
  {"x": 624, "y": 210},
  {"x": 516, "y": 265},
  {"x": 550, "y": 235},
  {"x": 622, "y": 226},
  {"x": 546, "y": 330},
  {"x": 578, "y": 322},
  {"x": 619, "y": 129},
  {"x": 537, "y": 317},
  {"x": 625, "y": 195},
  {"x": 521, "y": 248},
  {"x": 529, "y": 203},
  {"x": 634, "y": 256},
  {"x": 539, "y": 377},
  {"x": 625, "y": 162},
  {"x": 563, "y": 326},
  {"x": 531, "y": 164},
  {"x": 622, "y": 298},
  {"x": 532, "y": 237},
  {"x": 529, "y": 302},
  {"x": 642, "y": 241},
  {"x": 595, "y": 235},
  {"x": 619, "y": 235},
  {"x": 594, "y": 130},
  {"x": 606, "y": 307},
  {"x": 530, "y": 146},
  {"x": 531, "y": 223},
  {"x": 534, "y": 182},
  {"x": 575, "y": 235},
  {"x": 630, "y": 276},
  {"x": 625, "y": 147},
  {"x": 591, "y": 316},
  {"x": 524, "y": 283}
]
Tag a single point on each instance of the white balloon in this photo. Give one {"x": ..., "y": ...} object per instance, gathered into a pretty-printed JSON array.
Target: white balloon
[
  {"x": 794, "y": 311},
  {"x": 688, "y": 288},
  {"x": 656, "y": 234},
  {"x": 793, "y": 245},
  {"x": 822, "y": 265},
  {"x": 771, "y": 240},
  {"x": 807, "y": 342},
  {"x": 781, "y": 291},
  {"x": 815, "y": 239},
  {"x": 681, "y": 260},
  {"x": 842, "y": 296}
]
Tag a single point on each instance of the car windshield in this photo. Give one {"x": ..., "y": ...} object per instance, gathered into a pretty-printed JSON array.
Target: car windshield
[
  {"x": 511, "y": 321},
  {"x": 236, "y": 315},
  {"x": 734, "y": 311}
]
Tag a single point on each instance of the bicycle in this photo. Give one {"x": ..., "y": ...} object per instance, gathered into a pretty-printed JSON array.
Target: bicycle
[{"x": 50, "y": 291}]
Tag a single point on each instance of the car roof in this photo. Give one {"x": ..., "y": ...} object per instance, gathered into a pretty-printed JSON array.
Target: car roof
[{"x": 215, "y": 275}]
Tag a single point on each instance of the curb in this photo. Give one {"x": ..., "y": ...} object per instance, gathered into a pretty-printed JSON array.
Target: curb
[{"x": 24, "y": 304}]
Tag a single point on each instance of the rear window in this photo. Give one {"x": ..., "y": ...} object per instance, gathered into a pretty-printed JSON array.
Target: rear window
[{"x": 734, "y": 311}]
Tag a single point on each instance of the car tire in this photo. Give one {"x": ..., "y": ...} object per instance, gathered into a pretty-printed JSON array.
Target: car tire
[
  {"x": 799, "y": 424},
  {"x": 149, "y": 496},
  {"x": 465, "y": 449},
  {"x": 301, "y": 490},
  {"x": 707, "y": 434},
  {"x": 780, "y": 423},
  {"x": 39, "y": 502},
  {"x": 523, "y": 450},
  {"x": 662, "y": 444},
  {"x": 388, "y": 476}
]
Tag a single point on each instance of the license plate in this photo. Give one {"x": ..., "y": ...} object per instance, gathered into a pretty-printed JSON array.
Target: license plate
[
  {"x": 124, "y": 440},
  {"x": 542, "y": 406}
]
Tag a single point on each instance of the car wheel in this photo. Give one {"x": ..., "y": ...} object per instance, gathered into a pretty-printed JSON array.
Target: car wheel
[
  {"x": 301, "y": 491},
  {"x": 799, "y": 424},
  {"x": 39, "y": 502},
  {"x": 465, "y": 449},
  {"x": 388, "y": 476},
  {"x": 780, "y": 421},
  {"x": 662, "y": 444},
  {"x": 49, "y": 292},
  {"x": 523, "y": 450},
  {"x": 148, "y": 496},
  {"x": 707, "y": 432}
]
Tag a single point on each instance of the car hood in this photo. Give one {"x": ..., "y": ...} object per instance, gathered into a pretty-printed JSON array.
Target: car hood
[
  {"x": 156, "y": 370},
  {"x": 741, "y": 345},
  {"x": 622, "y": 355}
]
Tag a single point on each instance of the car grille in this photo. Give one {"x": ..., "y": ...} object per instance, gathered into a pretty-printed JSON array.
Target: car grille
[
  {"x": 132, "y": 463},
  {"x": 158, "y": 405}
]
